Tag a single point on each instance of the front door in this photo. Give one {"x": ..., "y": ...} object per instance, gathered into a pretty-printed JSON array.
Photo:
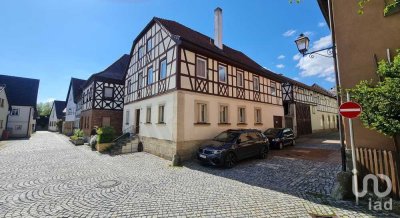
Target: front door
[
  {"x": 137, "y": 123},
  {"x": 277, "y": 122}
]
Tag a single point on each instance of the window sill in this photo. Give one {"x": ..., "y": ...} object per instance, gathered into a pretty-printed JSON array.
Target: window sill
[
  {"x": 202, "y": 124},
  {"x": 224, "y": 124},
  {"x": 258, "y": 124},
  {"x": 161, "y": 123},
  {"x": 147, "y": 123},
  {"x": 242, "y": 124}
]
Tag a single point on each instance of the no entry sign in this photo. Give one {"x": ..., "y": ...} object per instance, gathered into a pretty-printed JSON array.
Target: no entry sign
[{"x": 350, "y": 110}]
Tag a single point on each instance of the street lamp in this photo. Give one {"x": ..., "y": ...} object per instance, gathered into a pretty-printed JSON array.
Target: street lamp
[{"x": 303, "y": 43}]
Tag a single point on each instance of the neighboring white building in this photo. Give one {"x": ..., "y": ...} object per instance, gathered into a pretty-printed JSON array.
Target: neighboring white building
[
  {"x": 56, "y": 115},
  {"x": 72, "y": 115},
  {"x": 22, "y": 96},
  {"x": 4, "y": 109},
  {"x": 183, "y": 87}
]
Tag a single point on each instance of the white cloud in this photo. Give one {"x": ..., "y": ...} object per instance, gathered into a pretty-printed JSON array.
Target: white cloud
[
  {"x": 281, "y": 57},
  {"x": 319, "y": 66},
  {"x": 280, "y": 66},
  {"x": 308, "y": 33},
  {"x": 321, "y": 24},
  {"x": 289, "y": 33}
]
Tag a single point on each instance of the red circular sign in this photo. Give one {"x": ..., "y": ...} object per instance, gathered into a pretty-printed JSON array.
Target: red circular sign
[{"x": 350, "y": 109}]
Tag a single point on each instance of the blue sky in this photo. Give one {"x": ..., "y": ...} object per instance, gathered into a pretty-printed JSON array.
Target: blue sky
[{"x": 54, "y": 40}]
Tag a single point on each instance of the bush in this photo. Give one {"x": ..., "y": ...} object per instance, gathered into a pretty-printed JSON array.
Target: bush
[
  {"x": 105, "y": 134},
  {"x": 59, "y": 126}
]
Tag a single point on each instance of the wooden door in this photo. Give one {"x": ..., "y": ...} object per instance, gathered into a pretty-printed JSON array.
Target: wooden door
[
  {"x": 303, "y": 119},
  {"x": 137, "y": 123}
]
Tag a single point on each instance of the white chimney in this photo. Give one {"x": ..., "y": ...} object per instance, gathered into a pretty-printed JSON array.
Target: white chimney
[{"x": 218, "y": 27}]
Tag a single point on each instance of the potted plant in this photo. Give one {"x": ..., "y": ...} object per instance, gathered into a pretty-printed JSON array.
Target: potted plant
[{"x": 77, "y": 138}]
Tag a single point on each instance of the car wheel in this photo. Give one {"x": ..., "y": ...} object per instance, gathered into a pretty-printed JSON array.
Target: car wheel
[
  {"x": 293, "y": 142},
  {"x": 280, "y": 145},
  {"x": 230, "y": 160},
  {"x": 263, "y": 153}
]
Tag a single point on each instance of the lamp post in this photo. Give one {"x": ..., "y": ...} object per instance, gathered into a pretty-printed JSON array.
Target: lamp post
[{"x": 303, "y": 43}]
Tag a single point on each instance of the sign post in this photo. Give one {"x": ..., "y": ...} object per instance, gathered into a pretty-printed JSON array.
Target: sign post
[{"x": 352, "y": 110}]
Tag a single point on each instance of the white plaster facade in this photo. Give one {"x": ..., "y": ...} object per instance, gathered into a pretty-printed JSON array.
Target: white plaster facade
[
  {"x": 21, "y": 122},
  {"x": 4, "y": 110}
]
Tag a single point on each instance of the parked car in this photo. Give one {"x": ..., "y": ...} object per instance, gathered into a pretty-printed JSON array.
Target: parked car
[
  {"x": 233, "y": 145},
  {"x": 280, "y": 137}
]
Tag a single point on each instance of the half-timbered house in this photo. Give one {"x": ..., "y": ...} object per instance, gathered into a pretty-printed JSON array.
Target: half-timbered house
[
  {"x": 183, "y": 87},
  {"x": 308, "y": 109},
  {"x": 102, "y": 98},
  {"x": 4, "y": 109},
  {"x": 72, "y": 115}
]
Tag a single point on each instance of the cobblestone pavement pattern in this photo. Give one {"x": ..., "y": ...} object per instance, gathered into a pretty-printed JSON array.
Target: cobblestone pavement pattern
[{"x": 48, "y": 176}]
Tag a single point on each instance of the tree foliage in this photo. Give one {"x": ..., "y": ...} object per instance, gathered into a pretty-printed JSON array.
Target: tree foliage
[
  {"x": 44, "y": 108},
  {"x": 381, "y": 100}
]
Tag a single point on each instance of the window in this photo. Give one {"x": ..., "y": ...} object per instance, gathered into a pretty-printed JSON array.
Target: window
[
  {"x": 223, "y": 114},
  {"x": 222, "y": 74},
  {"x": 148, "y": 115},
  {"x": 201, "y": 66},
  {"x": 163, "y": 69},
  {"x": 1, "y": 102},
  {"x": 161, "y": 114},
  {"x": 106, "y": 121},
  {"x": 239, "y": 78},
  {"x": 127, "y": 117},
  {"x": 108, "y": 92},
  {"x": 69, "y": 111},
  {"x": 129, "y": 87},
  {"x": 202, "y": 113},
  {"x": 140, "y": 79},
  {"x": 257, "y": 114},
  {"x": 242, "y": 115},
  {"x": 273, "y": 88},
  {"x": 140, "y": 52},
  {"x": 150, "y": 76},
  {"x": 253, "y": 136},
  {"x": 15, "y": 112},
  {"x": 149, "y": 45},
  {"x": 313, "y": 109},
  {"x": 256, "y": 83}
]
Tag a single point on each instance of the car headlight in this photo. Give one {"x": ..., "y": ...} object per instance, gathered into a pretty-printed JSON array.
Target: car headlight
[{"x": 217, "y": 151}]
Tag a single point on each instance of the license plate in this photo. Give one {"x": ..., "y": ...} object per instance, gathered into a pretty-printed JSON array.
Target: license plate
[{"x": 203, "y": 156}]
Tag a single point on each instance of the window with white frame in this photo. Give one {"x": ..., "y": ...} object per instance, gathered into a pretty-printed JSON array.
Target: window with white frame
[
  {"x": 242, "y": 115},
  {"x": 223, "y": 114},
  {"x": 202, "y": 113},
  {"x": 149, "y": 45},
  {"x": 127, "y": 114},
  {"x": 256, "y": 83},
  {"x": 15, "y": 112},
  {"x": 148, "y": 115},
  {"x": 129, "y": 87},
  {"x": 149, "y": 75},
  {"x": 161, "y": 117},
  {"x": 222, "y": 74},
  {"x": 163, "y": 69},
  {"x": 239, "y": 78},
  {"x": 140, "y": 52},
  {"x": 201, "y": 68},
  {"x": 108, "y": 92},
  {"x": 257, "y": 114},
  {"x": 273, "y": 88}
]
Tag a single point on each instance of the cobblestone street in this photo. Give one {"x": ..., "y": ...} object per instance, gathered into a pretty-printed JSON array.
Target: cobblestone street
[{"x": 48, "y": 176}]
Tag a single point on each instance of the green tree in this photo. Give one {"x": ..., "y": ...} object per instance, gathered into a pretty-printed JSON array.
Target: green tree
[
  {"x": 380, "y": 100},
  {"x": 44, "y": 108}
]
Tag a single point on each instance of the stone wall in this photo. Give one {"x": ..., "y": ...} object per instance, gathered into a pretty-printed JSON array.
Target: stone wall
[
  {"x": 162, "y": 148},
  {"x": 95, "y": 118}
]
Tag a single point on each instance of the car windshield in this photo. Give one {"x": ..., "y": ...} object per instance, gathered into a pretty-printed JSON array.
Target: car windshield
[
  {"x": 227, "y": 136},
  {"x": 273, "y": 132}
]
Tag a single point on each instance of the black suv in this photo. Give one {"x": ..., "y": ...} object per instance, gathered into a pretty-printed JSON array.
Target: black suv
[
  {"x": 233, "y": 145},
  {"x": 280, "y": 137}
]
